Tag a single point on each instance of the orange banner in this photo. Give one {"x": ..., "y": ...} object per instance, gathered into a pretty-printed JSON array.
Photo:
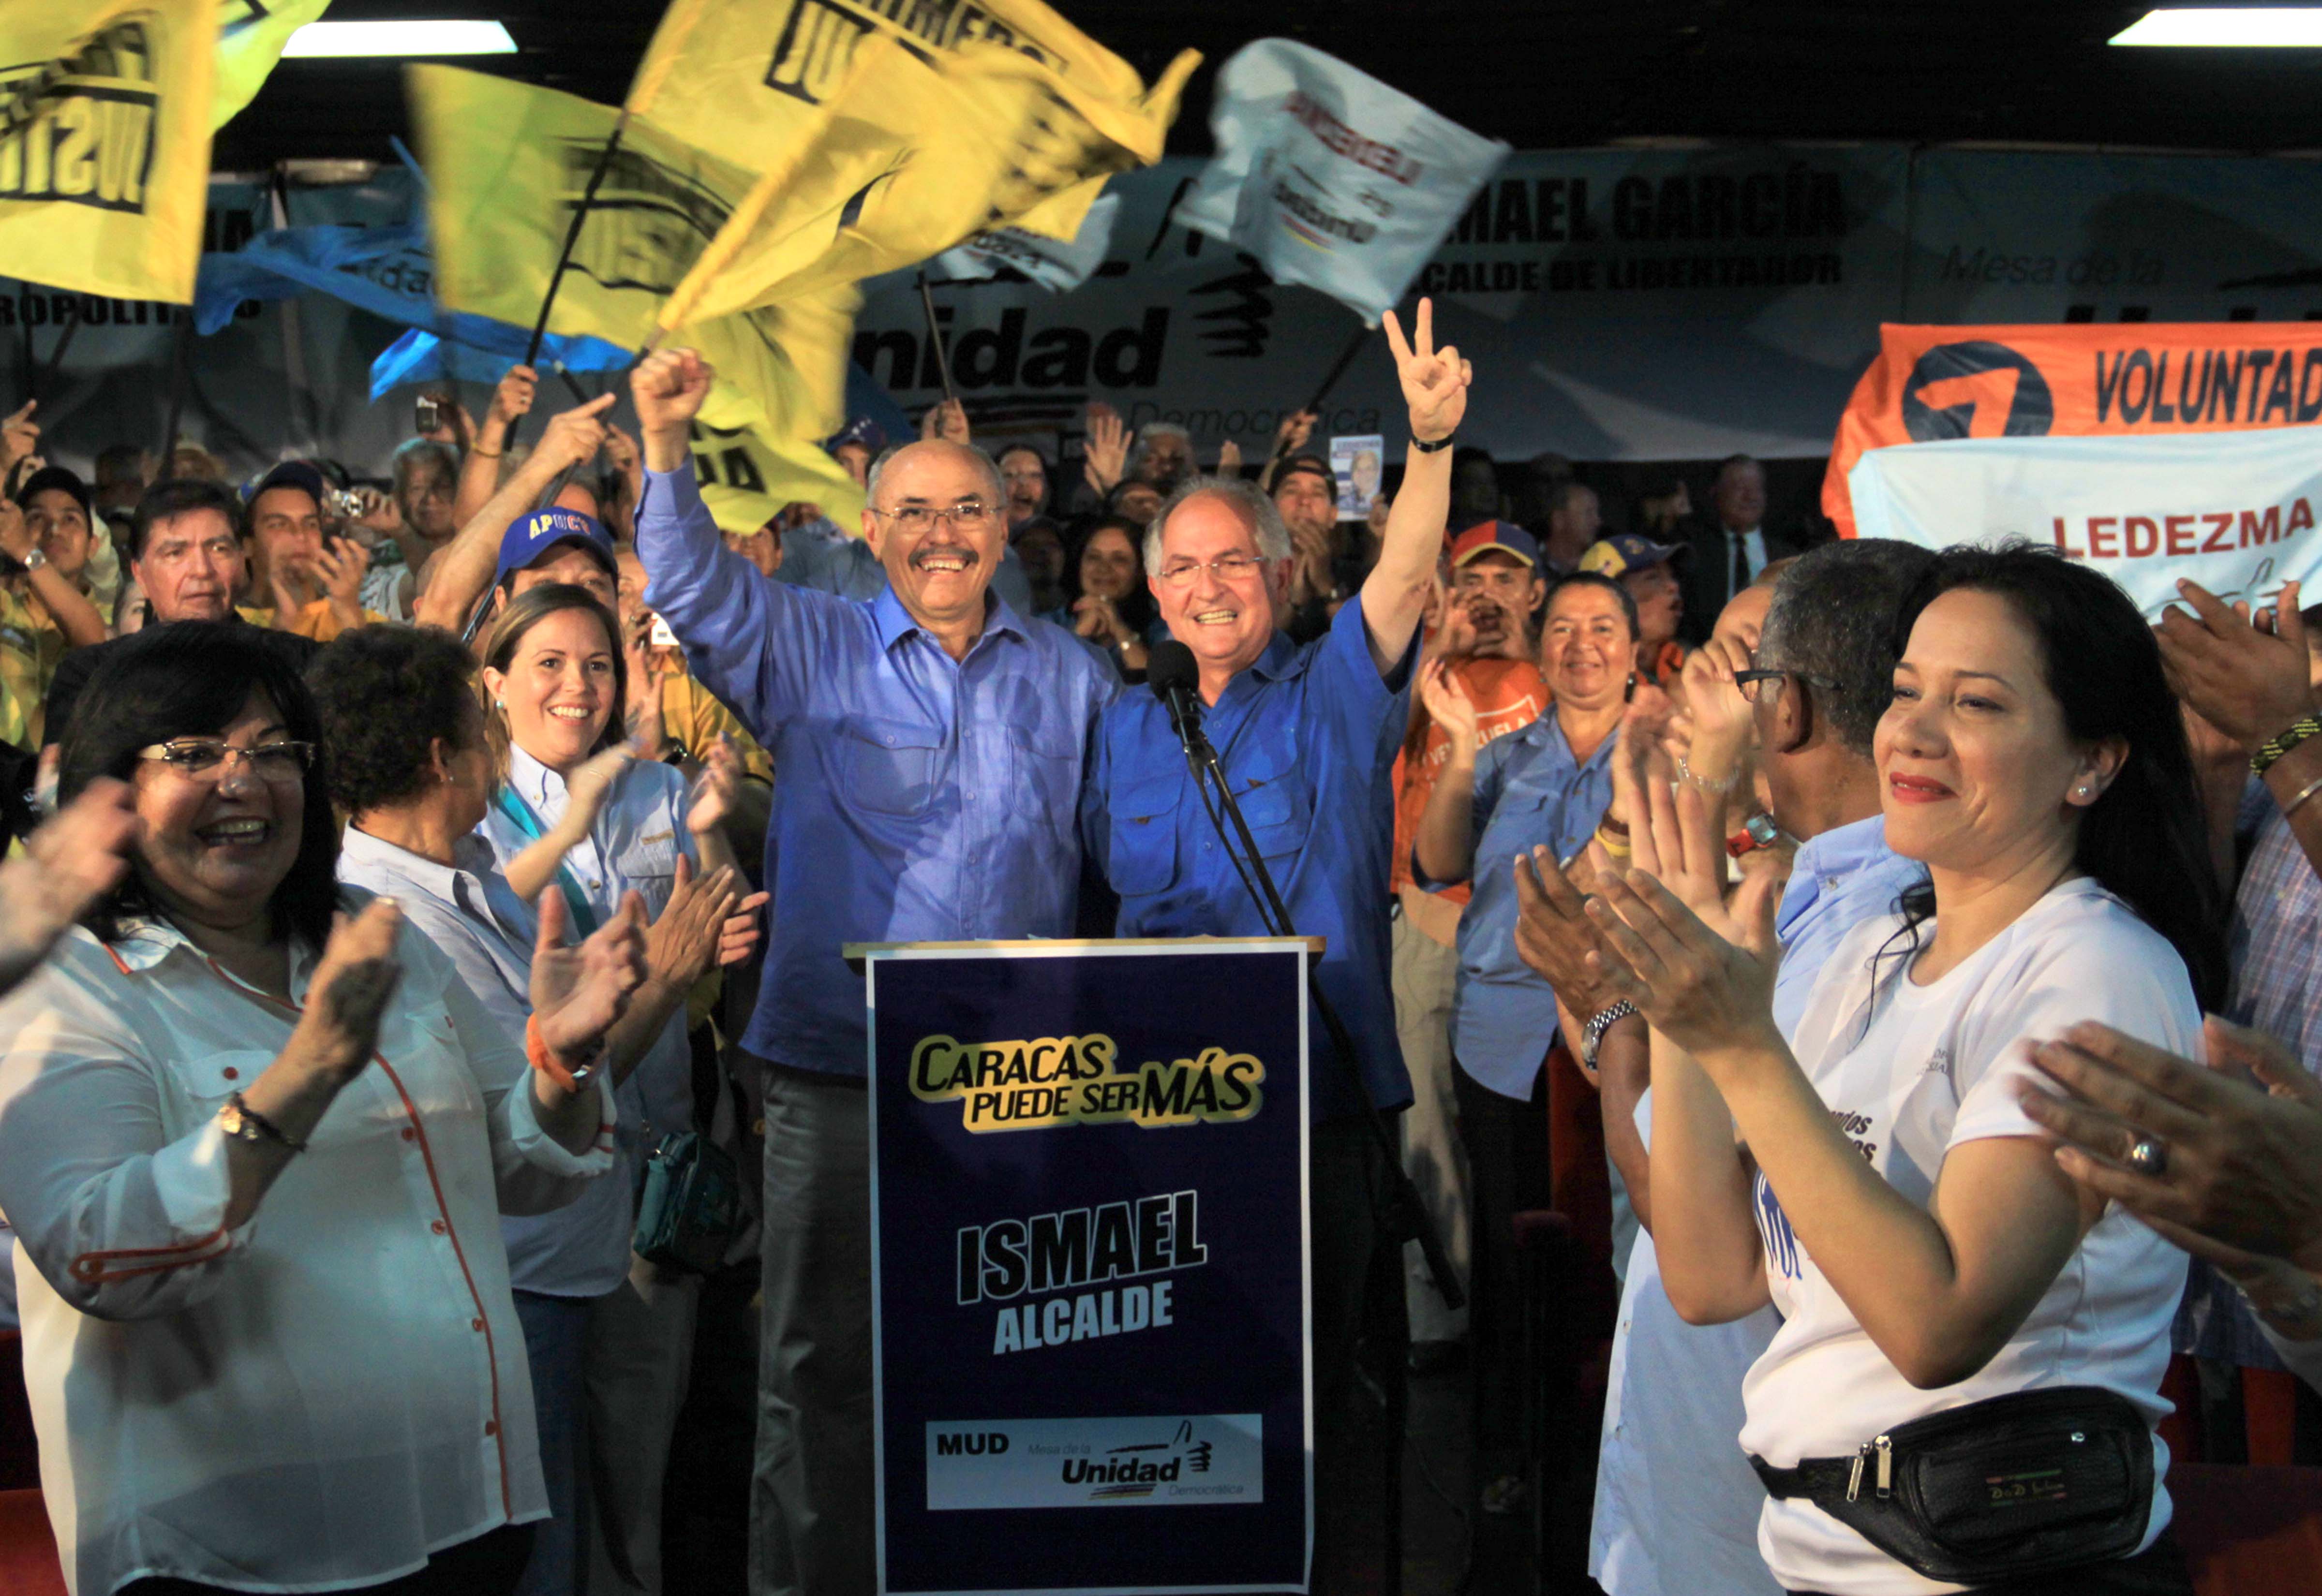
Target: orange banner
[{"x": 2077, "y": 379}]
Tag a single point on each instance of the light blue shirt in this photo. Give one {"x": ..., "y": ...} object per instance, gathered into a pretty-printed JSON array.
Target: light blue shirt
[
  {"x": 468, "y": 909},
  {"x": 1307, "y": 737},
  {"x": 1838, "y": 880},
  {"x": 583, "y": 1250},
  {"x": 920, "y": 798},
  {"x": 1529, "y": 791}
]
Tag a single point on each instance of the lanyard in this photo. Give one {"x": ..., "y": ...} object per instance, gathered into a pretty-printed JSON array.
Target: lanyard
[{"x": 510, "y": 803}]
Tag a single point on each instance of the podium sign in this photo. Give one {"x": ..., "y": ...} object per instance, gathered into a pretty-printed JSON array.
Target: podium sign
[{"x": 1089, "y": 1313}]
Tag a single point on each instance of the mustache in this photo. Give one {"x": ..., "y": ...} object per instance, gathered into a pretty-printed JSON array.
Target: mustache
[{"x": 927, "y": 552}]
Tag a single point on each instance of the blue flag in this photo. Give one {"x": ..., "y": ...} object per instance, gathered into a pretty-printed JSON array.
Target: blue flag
[
  {"x": 477, "y": 348},
  {"x": 389, "y": 271}
]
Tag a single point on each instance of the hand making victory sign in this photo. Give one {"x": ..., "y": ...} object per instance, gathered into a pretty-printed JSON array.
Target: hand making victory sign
[{"x": 1435, "y": 383}]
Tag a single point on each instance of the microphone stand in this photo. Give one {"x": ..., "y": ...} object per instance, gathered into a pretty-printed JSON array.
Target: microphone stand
[{"x": 1402, "y": 1214}]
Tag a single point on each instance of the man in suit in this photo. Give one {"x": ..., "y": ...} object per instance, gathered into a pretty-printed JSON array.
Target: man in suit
[{"x": 1732, "y": 547}]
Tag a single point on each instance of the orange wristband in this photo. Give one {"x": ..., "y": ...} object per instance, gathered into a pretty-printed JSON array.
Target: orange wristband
[{"x": 537, "y": 1051}]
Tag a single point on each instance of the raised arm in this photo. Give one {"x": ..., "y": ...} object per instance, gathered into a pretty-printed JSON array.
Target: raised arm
[
  {"x": 753, "y": 642},
  {"x": 479, "y": 469},
  {"x": 1435, "y": 385},
  {"x": 1444, "y": 845},
  {"x": 75, "y": 615},
  {"x": 461, "y": 572}
]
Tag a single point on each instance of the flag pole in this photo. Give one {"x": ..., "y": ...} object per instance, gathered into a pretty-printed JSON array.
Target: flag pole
[
  {"x": 564, "y": 256},
  {"x": 1322, "y": 391},
  {"x": 935, "y": 339}
]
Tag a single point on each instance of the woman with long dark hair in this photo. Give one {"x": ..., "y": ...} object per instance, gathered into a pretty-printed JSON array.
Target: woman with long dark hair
[
  {"x": 1106, "y": 598},
  {"x": 255, "y": 1138},
  {"x": 1956, "y": 1312}
]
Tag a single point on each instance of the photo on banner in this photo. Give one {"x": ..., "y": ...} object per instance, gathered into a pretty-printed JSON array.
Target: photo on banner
[
  {"x": 1357, "y": 462},
  {"x": 1092, "y": 1369}
]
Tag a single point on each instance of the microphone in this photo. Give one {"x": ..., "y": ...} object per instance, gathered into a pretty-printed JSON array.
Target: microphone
[{"x": 1175, "y": 678}]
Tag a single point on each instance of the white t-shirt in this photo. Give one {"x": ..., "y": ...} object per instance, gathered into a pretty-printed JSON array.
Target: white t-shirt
[{"x": 1940, "y": 1065}]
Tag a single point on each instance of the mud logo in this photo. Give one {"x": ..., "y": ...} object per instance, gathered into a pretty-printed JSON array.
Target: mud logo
[
  {"x": 81, "y": 130},
  {"x": 1172, "y": 1460},
  {"x": 1135, "y": 1470}
]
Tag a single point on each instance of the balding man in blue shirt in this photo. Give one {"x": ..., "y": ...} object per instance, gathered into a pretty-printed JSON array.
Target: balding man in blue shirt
[
  {"x": 930, "y": 743},
  {"x": 1307, "y": 737}
]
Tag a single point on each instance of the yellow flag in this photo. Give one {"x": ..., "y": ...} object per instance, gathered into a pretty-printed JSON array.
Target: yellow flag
[
  {"x": 506, "y": 165},
  {"x": 249, "y": 44},
  {"x": 105, "y": 142},
  {"x": 906, "y": 158},
  {"x": 739, "y": 77}
]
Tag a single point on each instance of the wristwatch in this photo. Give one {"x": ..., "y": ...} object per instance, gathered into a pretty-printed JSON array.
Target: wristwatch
[
  {"x": 33, "y": 559},
  {"x": 1756, "y": 832},
  {"x": 243, "y": 1122},
  {"x": 1592, "y": 1035}
]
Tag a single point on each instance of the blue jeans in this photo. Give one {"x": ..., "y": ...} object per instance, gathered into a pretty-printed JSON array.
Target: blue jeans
[{"x": 556, "y": 1340}]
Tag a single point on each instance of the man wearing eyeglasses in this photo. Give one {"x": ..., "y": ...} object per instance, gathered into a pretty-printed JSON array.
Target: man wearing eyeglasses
[
  {"x": 1810, "y": 699},
  {"x": 931, "y": 743},
  {"x": 1307, "y": 737}
]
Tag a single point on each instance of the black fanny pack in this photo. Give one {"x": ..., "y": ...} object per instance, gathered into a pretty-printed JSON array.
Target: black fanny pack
[{"x": 2024, "y": 1484}]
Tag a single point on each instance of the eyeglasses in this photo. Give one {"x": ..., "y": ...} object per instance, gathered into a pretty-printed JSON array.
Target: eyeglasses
[
  {"x": 967, "y": 514},
  {"x": 1750, "y": 682},
  {"x": 1226, "y": 568},
  {"x": 205, "y": 758}
]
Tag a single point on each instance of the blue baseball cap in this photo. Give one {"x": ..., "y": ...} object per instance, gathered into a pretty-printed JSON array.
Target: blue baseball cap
[
  {"x": 861, "y": 431},
  {"x": 1496, "y": 537},
  {"x": 1626, "y": 551},
  {"x": 536, "y": 534}
]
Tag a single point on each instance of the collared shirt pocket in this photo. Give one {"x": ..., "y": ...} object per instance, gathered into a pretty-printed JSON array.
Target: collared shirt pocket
[
  {"x": 1046, "y": 775},
  {"x": 1144, "y": 852},
  {"x": 206, "y": 1082},
  {"x": 1273, "y": 795},
  {"x": 887, "y": 767}
]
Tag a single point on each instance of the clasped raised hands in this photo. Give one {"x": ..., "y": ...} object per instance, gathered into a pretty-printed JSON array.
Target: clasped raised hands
[{"x": 1434, "y": 380}]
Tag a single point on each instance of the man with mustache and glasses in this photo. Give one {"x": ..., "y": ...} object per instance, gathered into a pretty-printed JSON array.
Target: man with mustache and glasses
[
  {"x": 930, "y": 742},
  {"x": 1306, "y": 737}
]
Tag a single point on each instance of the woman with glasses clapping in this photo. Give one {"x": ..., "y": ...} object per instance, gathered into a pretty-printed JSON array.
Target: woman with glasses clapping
[{"x": 255, "y": 1137}]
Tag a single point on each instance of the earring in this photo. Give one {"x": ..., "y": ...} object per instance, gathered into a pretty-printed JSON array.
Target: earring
[
  {"x": 2082, "y": 789},
  {"x": 500, "y": 705}
]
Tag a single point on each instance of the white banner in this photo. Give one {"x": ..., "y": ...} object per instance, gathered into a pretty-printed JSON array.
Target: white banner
[
  {"x": 1330, "y": 178},
  {"x": 1081, "y": 1462},
  {"x": 1058, "y": 264},
  {"x": 2231, "y": 511}
]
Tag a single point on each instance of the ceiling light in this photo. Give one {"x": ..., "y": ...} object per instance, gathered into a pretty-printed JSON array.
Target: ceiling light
[
  {"x": 2242, "y": 27},
  {"x": 444, "y": 36}
]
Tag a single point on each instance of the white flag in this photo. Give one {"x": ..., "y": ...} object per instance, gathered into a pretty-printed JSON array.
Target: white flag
[
  {"x": 1330, "y": 178},
  {"x": 1058, "y": 264}
]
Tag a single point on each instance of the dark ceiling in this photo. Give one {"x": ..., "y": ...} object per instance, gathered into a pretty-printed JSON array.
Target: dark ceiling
[{"x": 1551, "y": 73}]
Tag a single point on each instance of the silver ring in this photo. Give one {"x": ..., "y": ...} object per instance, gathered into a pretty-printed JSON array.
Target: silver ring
[{"x": 2149, "y": 1156}]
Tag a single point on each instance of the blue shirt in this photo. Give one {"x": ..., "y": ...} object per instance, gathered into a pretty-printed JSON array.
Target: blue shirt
[
  {"x": 1529, "y": 791},
  {"x": 919, "y": 798},
  {"x": 1307, "y": 737},
  {"x": 1839, "y": 879},
  {"x": 469, "y": 912}
]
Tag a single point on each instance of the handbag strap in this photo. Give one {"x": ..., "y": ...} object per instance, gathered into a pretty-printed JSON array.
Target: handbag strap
[{"x": 510, "y": 803}]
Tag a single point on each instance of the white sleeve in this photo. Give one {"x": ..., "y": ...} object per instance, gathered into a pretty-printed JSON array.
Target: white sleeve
[
  {"x": 2108, "y": 966},
  {"x": 123, "y": 1220},
  {"x": 531, "y": 1172}
]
